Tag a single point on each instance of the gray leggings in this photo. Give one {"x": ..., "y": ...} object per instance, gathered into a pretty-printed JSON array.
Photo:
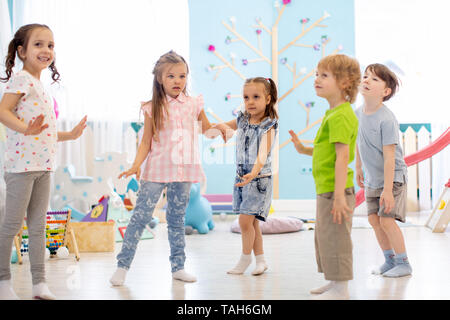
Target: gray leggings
[{"x": 26, "y": 193}]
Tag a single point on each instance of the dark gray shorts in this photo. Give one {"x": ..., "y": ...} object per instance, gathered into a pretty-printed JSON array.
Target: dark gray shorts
[{"x": 373, "y": 202}]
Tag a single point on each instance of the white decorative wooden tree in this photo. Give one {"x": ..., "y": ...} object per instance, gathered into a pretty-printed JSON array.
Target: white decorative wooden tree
[{"x": 299, "y": 75}]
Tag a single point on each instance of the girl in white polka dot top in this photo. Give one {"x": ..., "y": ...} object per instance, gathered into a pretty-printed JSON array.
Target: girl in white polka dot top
[{"x": 27, "y": 111}]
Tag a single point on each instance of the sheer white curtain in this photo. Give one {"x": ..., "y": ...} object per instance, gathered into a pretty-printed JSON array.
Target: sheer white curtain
[
  {"x": 5, "y": 37},
  {"x": 105, "y": 53},
  {"x": 411, "y": 35}
]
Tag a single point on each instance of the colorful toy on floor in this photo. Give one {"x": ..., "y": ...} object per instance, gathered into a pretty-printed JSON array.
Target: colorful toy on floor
[
  {"x": 149, "y": 227},
  {"x": 14, "y": 256},
  {"x": 440, "y": 216},
  {"x": 99, "y": 212},
  {"x": 272, "y": 210},
  {"x": 57, "y": 229},
  {"x": 62, "y": 252},
  {"x": 128, "y": 205},
  {"x": 133, "y": 185},
  {"x": 199, "y": 211}
]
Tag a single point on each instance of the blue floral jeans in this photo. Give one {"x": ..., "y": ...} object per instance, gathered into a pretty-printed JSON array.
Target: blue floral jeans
[{"x": 148, "y": 196}]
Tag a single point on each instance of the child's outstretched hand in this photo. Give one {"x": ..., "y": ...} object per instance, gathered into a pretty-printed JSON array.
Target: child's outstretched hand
[
  {"x": 340, "y": 209},
  {"x": 246, "y": 179},
  {"x": 228, "y": 133},
  {"x": 77, "y": 131},
  {"x": 297, "y": 143},
  {"x": 36, "y": 127},
  {"x": 225, "y": 131},
  {"x": 130, "y": 172},
  {"x": 213, "y": 132}
]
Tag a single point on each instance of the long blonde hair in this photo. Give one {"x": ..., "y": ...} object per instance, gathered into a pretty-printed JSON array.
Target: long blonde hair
[{"x": 159, "y": 102}]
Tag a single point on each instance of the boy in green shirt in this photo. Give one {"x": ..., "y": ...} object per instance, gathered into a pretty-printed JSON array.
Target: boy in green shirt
[{"x": 337, "y": 80}]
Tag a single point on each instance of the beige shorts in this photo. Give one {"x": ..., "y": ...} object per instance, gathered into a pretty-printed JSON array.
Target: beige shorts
[
  {"x": 373, "y": 202},
  {"x": 333, "y": 241}
]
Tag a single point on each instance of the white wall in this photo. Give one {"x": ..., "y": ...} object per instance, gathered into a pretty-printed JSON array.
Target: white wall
[{"x": 413, "y": 34}]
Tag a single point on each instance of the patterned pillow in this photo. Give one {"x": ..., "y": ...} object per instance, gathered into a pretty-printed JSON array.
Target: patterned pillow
[{"x": 274, "y": 225}]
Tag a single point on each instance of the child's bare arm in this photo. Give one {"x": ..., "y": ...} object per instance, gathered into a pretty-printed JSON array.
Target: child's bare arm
[
  {"x": 232, "y": 124},
  {"x": 211, "y": 131},
  {"x": 75, "y": 133},
  {"x": 387, "y": 197},
  {"x": 359, "y": 171},
  {"x": 8, "y": 118},
  {"x": 299, "y": 145},
  {"x": 340, "y": 207},
  {"x": 228, "y": 128},
  {"x": 143, "y": 149}
]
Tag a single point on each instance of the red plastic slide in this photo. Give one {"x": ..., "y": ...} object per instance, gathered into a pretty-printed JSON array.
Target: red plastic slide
[{"x": 436, "y": 146}]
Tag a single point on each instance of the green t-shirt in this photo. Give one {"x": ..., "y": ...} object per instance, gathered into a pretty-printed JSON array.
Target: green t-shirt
[{"x": 339, "y": 124}]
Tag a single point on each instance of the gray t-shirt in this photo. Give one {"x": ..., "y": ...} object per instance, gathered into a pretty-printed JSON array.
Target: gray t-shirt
[{"x": 375, "y": 131}]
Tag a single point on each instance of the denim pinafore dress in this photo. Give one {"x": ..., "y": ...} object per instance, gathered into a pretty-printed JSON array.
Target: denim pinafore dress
[{"x": 254, "y": 198}]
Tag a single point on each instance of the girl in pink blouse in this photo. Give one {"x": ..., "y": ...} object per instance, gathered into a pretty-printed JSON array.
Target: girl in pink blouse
[{"x": 169, "y": 145}]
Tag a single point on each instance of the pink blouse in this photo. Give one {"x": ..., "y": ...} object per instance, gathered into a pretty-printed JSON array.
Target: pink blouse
[{"x": 175, "y": 157}]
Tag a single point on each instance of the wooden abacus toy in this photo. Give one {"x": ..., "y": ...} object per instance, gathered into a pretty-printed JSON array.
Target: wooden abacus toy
[{"x": 57, "y": 230}]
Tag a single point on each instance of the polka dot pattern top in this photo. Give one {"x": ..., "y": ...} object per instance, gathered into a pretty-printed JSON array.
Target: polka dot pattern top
[{"x": 34, "y": 152}]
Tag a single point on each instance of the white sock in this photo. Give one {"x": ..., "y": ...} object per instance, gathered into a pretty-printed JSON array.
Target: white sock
[
  {"x": 183, "y": 276},
  {"x": 6, "y": 291},
  {"x": 242, "y": 265},
  {"x": 322, "y": 289},
  {"x": 261, "y": 265},
  {"x": 338, "y": 291},
  {"x": 41, "y": 291},
  {"x": 118, "y": 278}
]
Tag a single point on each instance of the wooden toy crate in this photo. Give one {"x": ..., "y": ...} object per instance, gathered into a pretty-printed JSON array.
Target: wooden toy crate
[{"x": 94, "y": 236}]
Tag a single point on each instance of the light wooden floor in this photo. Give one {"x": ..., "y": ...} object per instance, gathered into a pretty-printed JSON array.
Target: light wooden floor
[{"x": 292, "y": 269}]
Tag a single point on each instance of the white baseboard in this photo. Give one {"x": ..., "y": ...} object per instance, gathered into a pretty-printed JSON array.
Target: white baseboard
[
  {"x": 294, "y": 205},
  {"x": 305, "y": 207}
]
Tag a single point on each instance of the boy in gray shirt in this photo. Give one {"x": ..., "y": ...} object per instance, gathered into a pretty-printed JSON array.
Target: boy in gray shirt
[{"x": 381, "y": 169}]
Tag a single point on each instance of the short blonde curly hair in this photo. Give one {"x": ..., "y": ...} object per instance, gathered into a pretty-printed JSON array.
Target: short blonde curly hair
[{"x": 347, "y": 72}]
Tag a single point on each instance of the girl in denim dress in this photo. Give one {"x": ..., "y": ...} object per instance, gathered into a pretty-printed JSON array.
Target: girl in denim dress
[{"x": 252, "y": 195}]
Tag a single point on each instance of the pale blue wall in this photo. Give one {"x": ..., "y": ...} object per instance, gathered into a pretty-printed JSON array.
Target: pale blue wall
[
  {"x": 10, "y": 4},
  {"x": 206, "y": 28}
]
